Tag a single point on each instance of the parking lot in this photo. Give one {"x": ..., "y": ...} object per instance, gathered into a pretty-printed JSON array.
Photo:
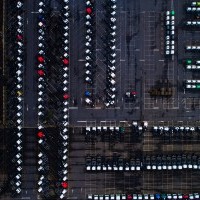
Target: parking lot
[
  {"x": 142, "y": 56},
  {"x": 142, "y": 64},
  {"x": 98, "y": 182},
  {"x": 54, "y": 80}
]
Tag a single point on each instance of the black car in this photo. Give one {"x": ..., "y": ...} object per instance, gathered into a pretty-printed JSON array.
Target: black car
[
  {"x": 169, "y": 162},
  {"x": 198, "y": 162},
  {"x": 194, "y": 161},
  {"x": 94, "y": 164},
  {"x": 184, "y": 161},
  {"x": 109, "y": 164},
  {"x": 164, "y": 162},
  {"x": 132, "y": 164},
  {"x": 189, "y": 161},
  {"x": 159, "y": 162},
  {"x": 126, "y": 165},
  {"x": 179, "y": 162},
  {"x": 153, "y": 163},
  {"x": 147, "y": 162},
  {"x": 104, "y": 164},
  {"x": 99, "y": 163},
  {"x": 115, "y": 163},
  {"x": 88, "y": 163},
  {"x": 121, "y": 164},
  {"x": 174, "y": 162},
  {"x": 138, "y": 164}
]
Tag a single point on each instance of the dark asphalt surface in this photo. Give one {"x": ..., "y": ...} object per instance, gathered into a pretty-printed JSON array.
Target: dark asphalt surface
[
  {"x": 30, "y": 89},
  {"x": 29, "y": 176},
  {"x": 127, "y": 42},
  {"x": 140, "y": 63},
  {"x": 146, "y": 182}
]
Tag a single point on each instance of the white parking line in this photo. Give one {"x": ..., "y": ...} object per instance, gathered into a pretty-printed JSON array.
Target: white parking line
[
  {"x": 73, "y": 108},
  {"x": 95, "y": 108},
  {"x": 114, "y": 108}
]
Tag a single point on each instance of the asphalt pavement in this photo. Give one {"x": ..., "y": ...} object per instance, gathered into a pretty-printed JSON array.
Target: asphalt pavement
[
  {"x": 29, "y": 175},
  {"x": 140, "y": 63},
  {"x": 30, "y": 86}
]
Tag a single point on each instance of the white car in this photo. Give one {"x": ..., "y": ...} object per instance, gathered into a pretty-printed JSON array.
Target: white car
[
  {"x": 88, "y": 3},
  {"x": 113, "y": 27},
  {"x": 19, "y": 4},
  {"x": 66, "y": 7},
  {"x": 41, "y": 10},
  {"x": 113, "y": 33},
  {"x": 41, "y": 4},
  {"x": 113, "y": 19},
  {"x": 40, "y": 45},
  {"x": 66, "y": 27},
  {"x": 89, "y": 197},
  {"x": 19, "y": 30}
]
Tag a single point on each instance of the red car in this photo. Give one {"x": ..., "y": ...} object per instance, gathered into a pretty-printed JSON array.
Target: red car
[{"x": 185, "y": 196}]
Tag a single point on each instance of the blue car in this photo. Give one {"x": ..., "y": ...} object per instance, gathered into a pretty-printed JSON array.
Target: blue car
[
  {"x": 88, "y": 94},
  {"x": 157, "y": 196},
  {"x": 41, "y": 17}
]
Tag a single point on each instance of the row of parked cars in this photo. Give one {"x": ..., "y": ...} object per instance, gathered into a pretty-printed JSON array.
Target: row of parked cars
[
  {"x": 43, "y": 139},
  {"x": 90, "y": 65},
  {"x": 192, "y": 84},
  {"x": 139, "y": 129},
  {"x": 113, "y": 133},
  {"x": 171, "y": 162},
  {"x": 193, "y": 7},
  {"x": 191, "y": 64},
  {"x": 62, "y": 137},
  {"x": 155, "y": 162},
  {"x": 17, "y": 158},
  {"x": 110, "y": 133},
  {"x": 64, "y": 127},
  {"x": 157, "y": 196},
  {"x": 43, "y": 166},
  {"x": 192, "y": 48},
  {"x": 101, "y": 163},
  {"x": 192, "y": 23},
  {"x": 193, "y": 10},
  {"x": 169, "y": 32},
  {"x": 161, "y": 130},
  {"x": 111, "y": 27}
]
